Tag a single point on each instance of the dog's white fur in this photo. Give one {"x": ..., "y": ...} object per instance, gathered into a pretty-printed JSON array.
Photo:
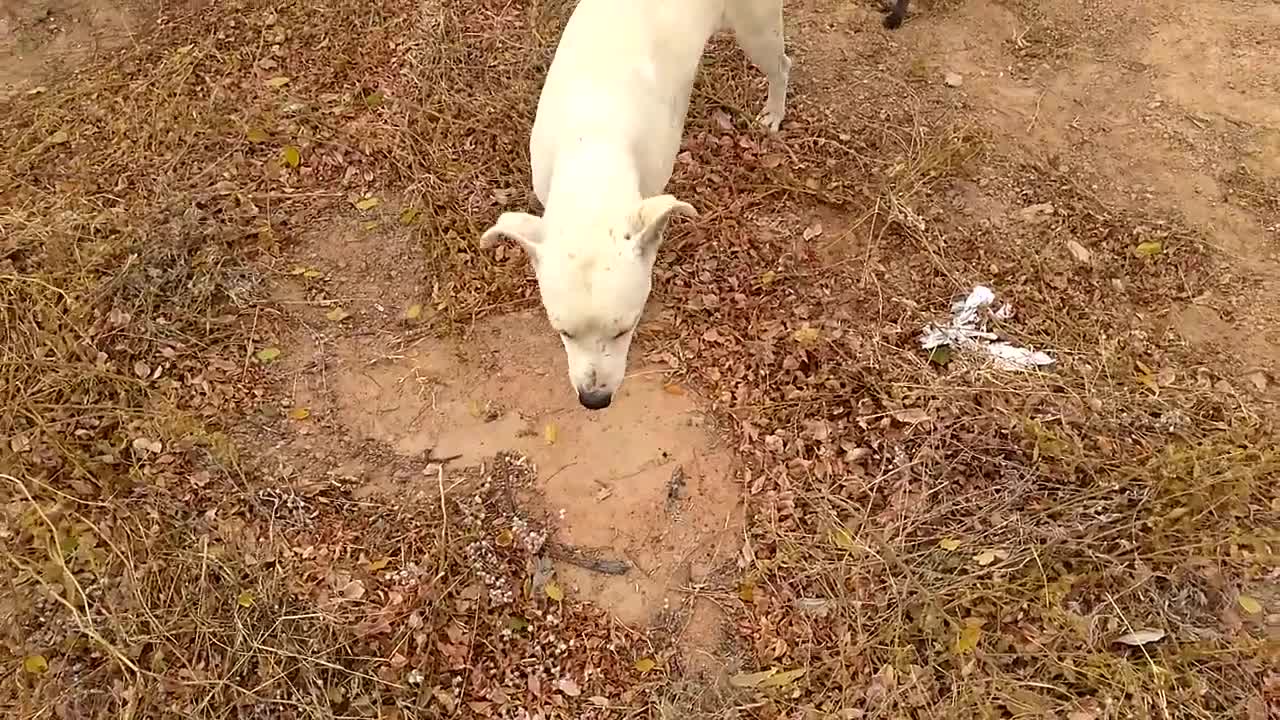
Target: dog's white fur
[{"x": 604, "y": 142}]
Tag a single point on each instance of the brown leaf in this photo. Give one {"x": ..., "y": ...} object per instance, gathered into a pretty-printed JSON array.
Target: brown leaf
[
  {"x": 1139, "y": 638},
  {"x": 750, "y": 680},
  {"x": 911, "y": 416},
  {"x": 353, "y": 590}
]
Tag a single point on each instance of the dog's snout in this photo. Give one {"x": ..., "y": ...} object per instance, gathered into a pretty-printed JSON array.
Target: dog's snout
[{"x": 595, "y": 399}]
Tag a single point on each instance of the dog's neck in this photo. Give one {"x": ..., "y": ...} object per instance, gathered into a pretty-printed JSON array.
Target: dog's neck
[{"x": 605, "y": 171}]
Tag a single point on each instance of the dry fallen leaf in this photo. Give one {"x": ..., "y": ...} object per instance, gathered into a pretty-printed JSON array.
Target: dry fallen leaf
[
  {"x": 968, "y": 637},
  {"x": 911, "y": 416},
  {"x": 949, "y": 544},
  {"x": 1148, "y": 249},
  {"x": 353, "y": 590},
  {"x": 806, "y": 335},
  {"x": 257, "y": 135},
  {"x": 414, "y": 312},
  {"x": 300, "y": 413},
  {"x": 1249, "y": 604},
  {"x": 750, "y": 680},
  {"x": 551, "y": 433},
  {"x": 1139, "y": 638},
  {"x": 367, "y": 203},
  {"x": 553, "y": 591},
  {"x": 1081, "y": 253},
  {"x": 337, "y": 314},
  {"x": 569, "y": 687},
  {"x": 147, "y": 445},
  {"x": 843, "y": 539},
  {"x": 985, "y": 558},
  {"x": 35, "y": 664},
  {"x": 645, "y": 664},
  {"x": 785, "y": 677},
  {"x": 278, "y": 81}
]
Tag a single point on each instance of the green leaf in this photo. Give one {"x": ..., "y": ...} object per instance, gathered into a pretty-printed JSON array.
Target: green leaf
[
  {"x": 266, "y": 355},
  {"x": 645, "y": 664},
  {"x": 245, "y": 599},
  {"x": 35, "y": 664},
  {"x": 408, "y": 216},
  {"x": 940, "y": 355},
  {"x": 257, "y": 135},
  {"x": 368, "y": 203}
]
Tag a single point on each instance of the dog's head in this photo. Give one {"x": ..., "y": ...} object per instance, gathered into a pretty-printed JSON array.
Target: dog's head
[{"x": 594, "y": 278}]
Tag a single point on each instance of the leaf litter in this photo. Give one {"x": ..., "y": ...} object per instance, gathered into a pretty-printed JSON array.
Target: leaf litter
[{"x": 810, "y": 373}]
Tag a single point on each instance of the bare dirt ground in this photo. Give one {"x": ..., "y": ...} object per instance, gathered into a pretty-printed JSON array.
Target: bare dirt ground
[{"x": 283, "y": 442}]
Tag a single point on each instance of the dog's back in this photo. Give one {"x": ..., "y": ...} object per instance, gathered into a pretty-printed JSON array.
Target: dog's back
[{"x": 623, "y": 73}]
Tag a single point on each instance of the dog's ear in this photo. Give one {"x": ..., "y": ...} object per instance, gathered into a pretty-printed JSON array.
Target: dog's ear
[
  {"x": 521, "y": 227},
  {"x": 651, "y": 219}
]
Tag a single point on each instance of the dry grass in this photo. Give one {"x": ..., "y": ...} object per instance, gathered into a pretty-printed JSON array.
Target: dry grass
[{"x": 926, "y": 541}]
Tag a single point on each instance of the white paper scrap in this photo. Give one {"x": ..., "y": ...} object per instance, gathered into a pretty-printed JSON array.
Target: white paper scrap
[{"x": 967, "y": 331}]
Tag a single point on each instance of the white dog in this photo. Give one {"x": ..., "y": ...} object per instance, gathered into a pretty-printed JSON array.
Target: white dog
[{"x": 604, "y": 142}]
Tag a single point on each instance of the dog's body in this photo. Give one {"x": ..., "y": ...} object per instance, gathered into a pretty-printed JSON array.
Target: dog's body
[{"x": 604, "y": 142}]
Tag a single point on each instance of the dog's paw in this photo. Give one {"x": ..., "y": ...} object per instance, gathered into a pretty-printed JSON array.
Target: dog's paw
[{"x": 771, "y": 119}]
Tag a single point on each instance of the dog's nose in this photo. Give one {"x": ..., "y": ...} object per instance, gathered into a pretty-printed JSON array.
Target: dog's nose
[{"x": 595, "y": 399}]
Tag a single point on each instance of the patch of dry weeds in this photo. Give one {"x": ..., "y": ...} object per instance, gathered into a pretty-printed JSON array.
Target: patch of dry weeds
[{"x": 926, "y": 540}]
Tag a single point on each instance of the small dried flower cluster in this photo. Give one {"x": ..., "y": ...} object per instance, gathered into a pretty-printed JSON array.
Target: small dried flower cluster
[{"x": 487, "y": 566}]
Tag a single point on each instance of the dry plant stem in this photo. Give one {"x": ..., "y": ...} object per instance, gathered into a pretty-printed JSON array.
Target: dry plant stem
[{"x": 83, "y": 620}]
